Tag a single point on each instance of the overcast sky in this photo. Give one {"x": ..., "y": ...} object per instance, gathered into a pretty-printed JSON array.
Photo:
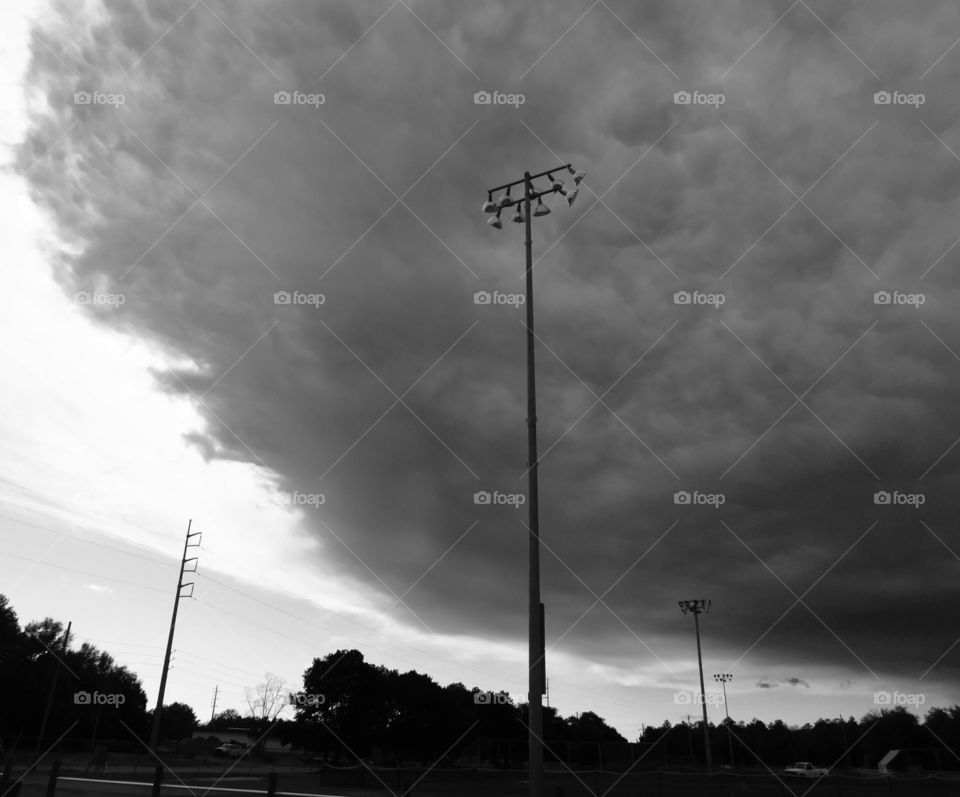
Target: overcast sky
[{"x": 159, "y": 194}]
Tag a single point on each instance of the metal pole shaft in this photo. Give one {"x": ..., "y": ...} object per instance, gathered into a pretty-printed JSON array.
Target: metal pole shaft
[
  {"x": 703, "y": 695},
  {"x": 536, "y": 652},
  {"x": 53, "y": 688},
  {"x": 155, "y": 726},
  {"x": 726, "y": 707}
]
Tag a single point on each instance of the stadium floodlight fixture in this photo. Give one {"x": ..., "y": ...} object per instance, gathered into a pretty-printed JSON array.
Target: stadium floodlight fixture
[
  {"x": 542, "y": 210},
  {"x": 695, "y": 606},
  {"x": 489, "y": 206},
  {"x": 518, "y": 215},
  {"x": 505, "y": 200},
  {"x": 494, "y": 221}
]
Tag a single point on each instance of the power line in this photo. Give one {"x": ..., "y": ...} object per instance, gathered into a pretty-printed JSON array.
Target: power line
[
  {"x": 76, "y": 538},
  {"x": 62, "y": 500},
  {"x": 82, "y": 572}
]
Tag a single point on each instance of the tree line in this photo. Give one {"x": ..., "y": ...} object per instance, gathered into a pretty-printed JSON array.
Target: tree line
[{"x": 347, "y": 707}]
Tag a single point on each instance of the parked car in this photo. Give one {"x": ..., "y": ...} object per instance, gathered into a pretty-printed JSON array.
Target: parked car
[
  {"x": 230, "y": 750},
  {"x": 804, "y": 769}
]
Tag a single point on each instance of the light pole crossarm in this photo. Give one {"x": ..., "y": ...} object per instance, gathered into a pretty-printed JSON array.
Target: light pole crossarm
[{"x": 522, "y": 180}]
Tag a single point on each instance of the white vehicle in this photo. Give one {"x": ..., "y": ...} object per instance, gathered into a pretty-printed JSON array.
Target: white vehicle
[
  {"x": 230, "y": 750},
  {"x": 805, "y": 769}
]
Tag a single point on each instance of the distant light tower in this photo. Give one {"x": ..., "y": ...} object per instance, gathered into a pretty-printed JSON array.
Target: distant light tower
[
  {"x": 537, "y": 675},
  {"x": 723, "y": 678},
  {"x": 695, "y": 607}
]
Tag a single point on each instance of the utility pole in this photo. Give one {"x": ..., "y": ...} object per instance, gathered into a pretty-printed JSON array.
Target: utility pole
[
  {"x": 187, "y": 544},
  {"x": 537, "y": 674},
  {"x": 216, "y": 691},
  {"x": 53, "y": 686}
]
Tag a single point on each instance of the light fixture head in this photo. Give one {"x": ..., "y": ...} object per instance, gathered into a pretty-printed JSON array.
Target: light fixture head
[
  {"x": 505, "y": 199},
  {"x": 571, "y": 195},
  {"x": 518, "y": 215},
  {"x": 494, "y": 221},
  {"x": 542, "y": 210},
  {"x": 577, "y": 176},
  {"x": 488, "y": 206}
]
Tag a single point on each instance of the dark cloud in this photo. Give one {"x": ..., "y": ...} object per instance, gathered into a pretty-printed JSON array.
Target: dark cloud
[{"x": 399, "y": 398}]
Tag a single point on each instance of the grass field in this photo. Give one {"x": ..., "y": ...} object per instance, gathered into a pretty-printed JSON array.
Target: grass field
[{"x": 215, "y": 781}]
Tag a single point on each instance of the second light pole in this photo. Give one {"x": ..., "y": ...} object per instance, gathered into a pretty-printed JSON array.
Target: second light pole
[
  {"x": 724, "y": 678},
  {"x": 695, "y": 607},
  {"x": 537, "y": 668}
]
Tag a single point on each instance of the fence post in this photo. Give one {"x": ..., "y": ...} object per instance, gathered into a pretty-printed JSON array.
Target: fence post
[
  {"x": 157, "y": 780},
  {"x": 271, "y": 784},
  {"x": 52, "y": 782}
]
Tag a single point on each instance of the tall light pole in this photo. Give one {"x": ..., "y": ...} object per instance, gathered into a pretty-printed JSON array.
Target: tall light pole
[
  {"x": 537, "y": 666},
  {"x": 724, "y": 678},
  {"x": 695, "y": 607}
]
